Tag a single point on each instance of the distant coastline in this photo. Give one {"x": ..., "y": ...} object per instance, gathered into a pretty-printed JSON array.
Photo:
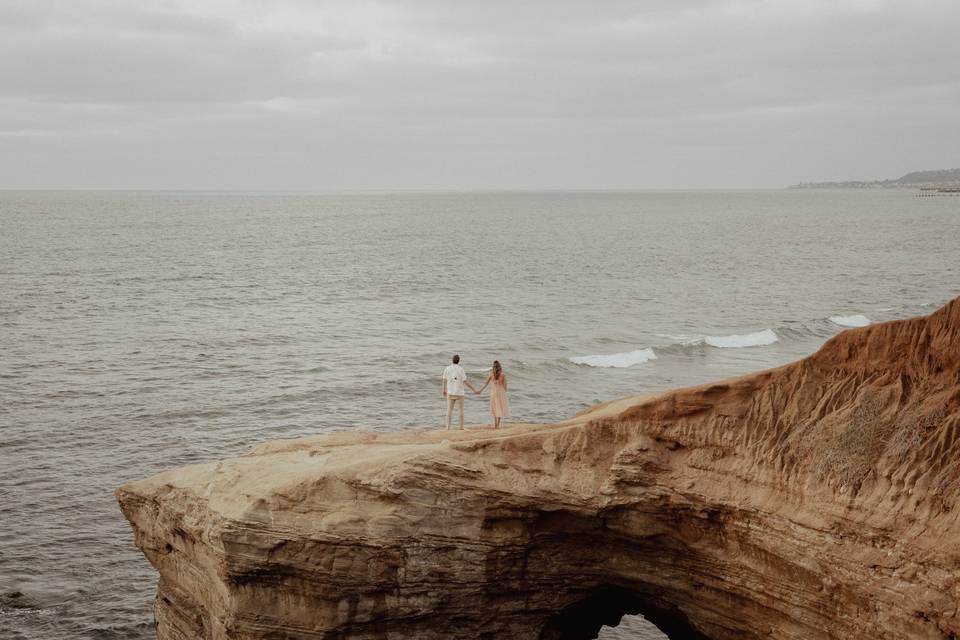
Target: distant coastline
[{"x": 915, "y": 179}]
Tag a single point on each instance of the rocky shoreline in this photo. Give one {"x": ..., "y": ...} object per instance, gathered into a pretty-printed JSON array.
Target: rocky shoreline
[{"x": 817, "y": 500}]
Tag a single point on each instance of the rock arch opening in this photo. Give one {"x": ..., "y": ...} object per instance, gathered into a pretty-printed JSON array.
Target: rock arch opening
[{"x": 606, "y": 605}]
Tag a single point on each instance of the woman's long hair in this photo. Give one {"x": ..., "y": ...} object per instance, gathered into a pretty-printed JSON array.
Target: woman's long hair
[{"x": 497, "y": 370}]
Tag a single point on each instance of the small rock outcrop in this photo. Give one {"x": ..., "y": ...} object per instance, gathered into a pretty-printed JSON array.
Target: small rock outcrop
[{"x": 818, "y": 500}]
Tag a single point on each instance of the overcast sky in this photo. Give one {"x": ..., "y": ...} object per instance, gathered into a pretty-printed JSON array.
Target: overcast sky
[{"x": 479, "y": 94}]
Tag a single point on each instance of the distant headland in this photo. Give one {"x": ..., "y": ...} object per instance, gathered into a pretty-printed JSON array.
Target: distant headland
[{"x": 934, "y": 178}]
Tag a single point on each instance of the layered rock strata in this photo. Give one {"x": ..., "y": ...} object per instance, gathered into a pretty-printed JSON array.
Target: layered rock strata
[{"x": 816, "y": 500}]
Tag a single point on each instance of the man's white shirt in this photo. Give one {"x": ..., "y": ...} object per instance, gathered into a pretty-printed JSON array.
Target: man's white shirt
[{"x": 455, "y": 377}]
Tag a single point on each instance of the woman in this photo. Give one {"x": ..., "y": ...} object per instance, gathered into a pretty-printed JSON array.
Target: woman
[{"x": 498, "y": 393}]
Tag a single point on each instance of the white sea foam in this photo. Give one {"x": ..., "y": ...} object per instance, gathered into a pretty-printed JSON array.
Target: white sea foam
[
  {"x": 681, "y": 339},
  {"x": 618, "y": 360},
  {"x": 757, "y": 339},
  {"x": 856, "y": 320}
]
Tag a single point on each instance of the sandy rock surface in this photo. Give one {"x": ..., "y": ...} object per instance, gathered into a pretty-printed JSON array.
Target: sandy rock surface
[{"x": 816, "y": 500}]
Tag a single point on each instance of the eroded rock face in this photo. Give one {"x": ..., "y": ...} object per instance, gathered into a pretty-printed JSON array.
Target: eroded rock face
[{"x": 816, "y": 500}]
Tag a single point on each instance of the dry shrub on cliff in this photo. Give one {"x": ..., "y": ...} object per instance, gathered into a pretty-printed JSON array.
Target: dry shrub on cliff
[
  {"x": 911, "y": 431},
  {"x": 856, "y": 444}
]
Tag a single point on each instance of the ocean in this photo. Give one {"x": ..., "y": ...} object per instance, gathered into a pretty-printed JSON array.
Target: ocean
[{"x": 145, "y": 331}]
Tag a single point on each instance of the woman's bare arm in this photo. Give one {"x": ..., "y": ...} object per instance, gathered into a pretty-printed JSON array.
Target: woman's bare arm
[{"x": 486, "y": 382}]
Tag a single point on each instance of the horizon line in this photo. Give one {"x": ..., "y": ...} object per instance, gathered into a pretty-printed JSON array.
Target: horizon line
[{"x": 389, "y": 190}]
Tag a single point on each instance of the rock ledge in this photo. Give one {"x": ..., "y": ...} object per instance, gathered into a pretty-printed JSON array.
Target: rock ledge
[{"x": 815, "y": 500}]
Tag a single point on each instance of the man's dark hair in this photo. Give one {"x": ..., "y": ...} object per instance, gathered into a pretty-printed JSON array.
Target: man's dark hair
[{"x": 456, "y": 359}]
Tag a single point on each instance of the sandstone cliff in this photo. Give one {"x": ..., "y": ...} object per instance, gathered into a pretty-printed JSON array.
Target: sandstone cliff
[{"x": 817, "y": 500}]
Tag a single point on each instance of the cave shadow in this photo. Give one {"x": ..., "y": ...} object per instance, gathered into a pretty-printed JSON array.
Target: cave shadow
[{"x": 606, "y": 605}]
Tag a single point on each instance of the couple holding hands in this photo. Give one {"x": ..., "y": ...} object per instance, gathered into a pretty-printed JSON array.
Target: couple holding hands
[{"x": 454, "y": 380}]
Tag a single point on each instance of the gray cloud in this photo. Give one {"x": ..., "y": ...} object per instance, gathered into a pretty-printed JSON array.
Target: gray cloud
[{"x": 428, "y": 94}]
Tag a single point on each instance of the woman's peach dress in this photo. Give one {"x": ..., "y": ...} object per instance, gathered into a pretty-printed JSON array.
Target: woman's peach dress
[{"x": 498, "y": 398}]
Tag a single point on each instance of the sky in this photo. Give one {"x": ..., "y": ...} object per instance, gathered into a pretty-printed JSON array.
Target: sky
[{"x": 464, "y": 95}]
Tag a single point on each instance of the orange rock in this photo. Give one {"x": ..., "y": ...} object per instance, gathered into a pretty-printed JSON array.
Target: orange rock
[{"x": 817, "y": 500}]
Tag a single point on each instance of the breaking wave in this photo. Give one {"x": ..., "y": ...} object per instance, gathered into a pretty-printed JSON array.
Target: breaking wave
[
  {"x": 618, "y": 360},
  {"x": 681, "y": 343},
  {"x": 757, "y": 339},
  {"x": 856, "y": 320},
  {"x": 640, "y": 356}
]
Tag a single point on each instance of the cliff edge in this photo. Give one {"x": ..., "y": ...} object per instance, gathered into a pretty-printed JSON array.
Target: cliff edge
[{"x": 817, "y": 500}]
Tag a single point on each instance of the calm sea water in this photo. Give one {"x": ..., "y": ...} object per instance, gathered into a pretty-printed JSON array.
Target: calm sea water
[{"x": 143, "y": 331}]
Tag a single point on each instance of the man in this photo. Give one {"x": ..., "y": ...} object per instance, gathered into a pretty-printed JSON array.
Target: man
[{"x": 454, "y": 379}]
